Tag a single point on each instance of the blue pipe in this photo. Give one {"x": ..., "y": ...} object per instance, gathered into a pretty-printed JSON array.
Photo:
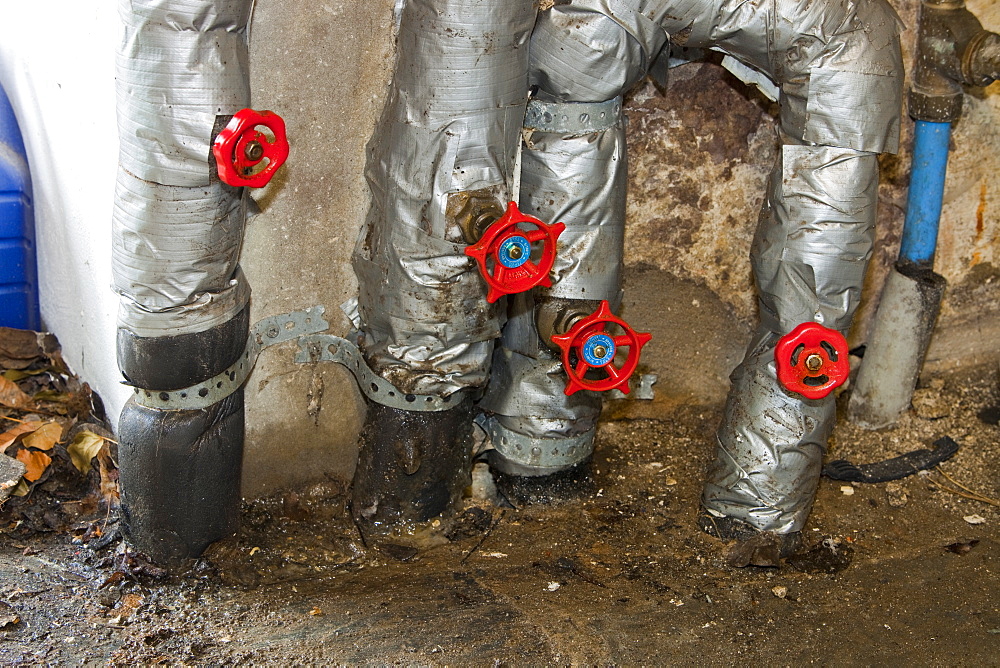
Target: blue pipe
[{"x": 923, "y": 203}]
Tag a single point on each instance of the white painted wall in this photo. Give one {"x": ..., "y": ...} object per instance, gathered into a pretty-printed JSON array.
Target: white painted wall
[{"x": 57, "y": 67}]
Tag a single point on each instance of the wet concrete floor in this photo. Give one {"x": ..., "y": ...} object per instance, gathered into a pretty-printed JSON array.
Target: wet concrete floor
[{"x": 607, "y": 570}]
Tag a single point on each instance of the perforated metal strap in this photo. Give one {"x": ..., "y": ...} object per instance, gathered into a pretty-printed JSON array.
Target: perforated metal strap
[
  {"x": 572, "y": 117},
  {"x": 329, "y": 348},
  {"x": 541, "y": 454},
  {"x": 267, "y": 332}
]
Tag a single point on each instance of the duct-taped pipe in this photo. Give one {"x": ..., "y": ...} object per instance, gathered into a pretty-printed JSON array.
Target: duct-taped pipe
[
  {"x": 181, "y": 64},
  {"x": 837, "y": 62},
  {"x": 449, "y": 133},
  {"x": 839, "y": 69},
  {"x": 809, "y": 258},
  {"x": 451, "y": 125},
  {"x": 534, "y": 428},
  {"x": 182, "y": 71},
  {"x": 574, "y": 171}
]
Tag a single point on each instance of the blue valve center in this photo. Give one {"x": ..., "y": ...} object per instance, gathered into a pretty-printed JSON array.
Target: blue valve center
[
  {"x": 599, "y": 350},
  {"x": 514, "y": 252}
]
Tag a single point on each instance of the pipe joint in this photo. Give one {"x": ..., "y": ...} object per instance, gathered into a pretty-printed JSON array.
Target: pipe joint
[
  {"x": 555, "y": 317},
  {"x": 953, "y": 50},
  {"x": 473, "y": 211}
]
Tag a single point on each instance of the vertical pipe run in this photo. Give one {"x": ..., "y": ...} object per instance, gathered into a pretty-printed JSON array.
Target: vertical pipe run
[
  {"x": 445, "y": 144},
  {"x": 911, "y": 298},
  {"x": 182, "y": 71},
  {"x": 924, "y": 200}
]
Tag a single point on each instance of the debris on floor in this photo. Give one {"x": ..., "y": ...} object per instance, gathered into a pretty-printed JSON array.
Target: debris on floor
[
  {"x": 52, "y": 427},
  {"x": 605, "y": 565}
]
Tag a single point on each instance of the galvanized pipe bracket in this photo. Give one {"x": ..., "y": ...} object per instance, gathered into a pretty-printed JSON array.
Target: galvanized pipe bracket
[
  {"x": 577, "y": 118},
  {"x": 329, "y": 348},
  {"x": 267, "y": 332}
]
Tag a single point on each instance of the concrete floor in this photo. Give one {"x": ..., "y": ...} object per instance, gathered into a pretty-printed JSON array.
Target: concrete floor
[{"x": 605, "y": 567}]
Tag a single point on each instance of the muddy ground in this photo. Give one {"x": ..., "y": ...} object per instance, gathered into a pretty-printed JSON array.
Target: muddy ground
[{"x": 608, "y": 569}]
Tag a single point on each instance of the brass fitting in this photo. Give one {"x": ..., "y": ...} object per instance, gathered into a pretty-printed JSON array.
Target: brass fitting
[
  {"x": 554, "y": 317},
  {"x": 953, "y": 50},
  {"x": 473, "y": 211}
]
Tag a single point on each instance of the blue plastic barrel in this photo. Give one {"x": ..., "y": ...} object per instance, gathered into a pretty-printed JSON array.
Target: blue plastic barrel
[{"x": 18, "y": 271}]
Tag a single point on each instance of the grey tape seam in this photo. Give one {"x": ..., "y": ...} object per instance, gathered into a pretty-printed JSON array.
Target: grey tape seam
[
  {"x": 267, "y": 332},
  {"x": 329, "y": 348},
  {"x": 573, "y": 117}
]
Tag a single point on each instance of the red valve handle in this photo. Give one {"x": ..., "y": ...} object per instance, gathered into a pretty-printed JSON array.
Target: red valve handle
[
  {"x": 503, "y": 253},
  {"x": 812, "y": 360},
  {"x": 240, "y": 148},
  {"x": 595, "y": 348}
]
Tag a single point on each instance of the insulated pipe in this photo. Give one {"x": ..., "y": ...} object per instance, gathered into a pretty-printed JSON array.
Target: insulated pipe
[
  {"x": 839, "y": 68},
  {"x": 926, "y": 192},
  {"x": 809, "y": 258},
  {"x": 446, "y": 142},
  {"x": 182, "y": 72},
  {"x": 574, "y": 170}
]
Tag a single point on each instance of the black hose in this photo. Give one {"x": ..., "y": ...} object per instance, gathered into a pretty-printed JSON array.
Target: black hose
[{"x": 895, "y": 468}]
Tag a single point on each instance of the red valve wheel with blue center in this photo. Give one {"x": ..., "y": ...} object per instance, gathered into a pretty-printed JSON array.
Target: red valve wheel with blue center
[
  {"x": 251, "y": 148},
  {"x": 592, "y": 344},
  {"x": 812, "y": 360},
  {"x": 505, "y": 250}
]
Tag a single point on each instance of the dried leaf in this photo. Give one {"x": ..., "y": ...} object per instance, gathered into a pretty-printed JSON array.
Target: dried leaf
[
  {"x": 109, "y": 475},
  {"x": 44, "y": 437},
  {"x": 12, "y": 396},
  {"x": 11, "y": 434},
  {"x": 53, "y": 396},
  {"x": 14, "y": 375},
  {"x": 85, "y": 446},
  {"x": 22, "y": 489},
  {"x": 19, "y": 348},
  {"x": 36, "y": 462}
]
